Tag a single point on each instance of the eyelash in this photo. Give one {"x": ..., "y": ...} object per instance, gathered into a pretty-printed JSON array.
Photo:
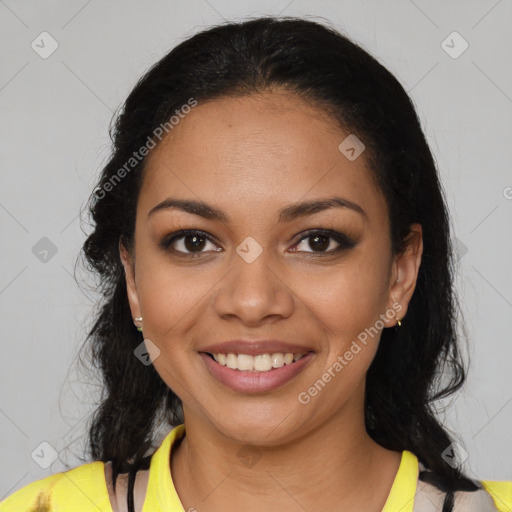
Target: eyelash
[{"x": 344, "y": 241}]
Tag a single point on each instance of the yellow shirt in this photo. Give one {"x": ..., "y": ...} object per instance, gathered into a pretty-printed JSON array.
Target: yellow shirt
[{"x": 84, "y": 489}]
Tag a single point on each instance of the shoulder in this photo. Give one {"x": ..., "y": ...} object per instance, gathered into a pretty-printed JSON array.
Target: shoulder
[
  {"x": 501, "y": 493},
  {"x": 76, "y": 489},
  {"x": 475, "y": 501},
  {"x": 493, "y": 497}
]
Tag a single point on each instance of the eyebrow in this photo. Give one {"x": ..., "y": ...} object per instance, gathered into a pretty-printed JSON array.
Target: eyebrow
[{"x": 286, "y": 214}]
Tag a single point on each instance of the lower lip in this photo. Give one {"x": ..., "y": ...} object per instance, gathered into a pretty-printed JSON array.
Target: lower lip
[{"x": 255, "y": 382}]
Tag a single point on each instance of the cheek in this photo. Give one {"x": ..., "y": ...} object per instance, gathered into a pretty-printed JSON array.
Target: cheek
[
  {"x": 349, "y": 297},
  {"x": 169, "y": 297}
]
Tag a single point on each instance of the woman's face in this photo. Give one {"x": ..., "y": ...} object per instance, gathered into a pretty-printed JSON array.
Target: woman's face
[{"x": 253, "y": 272}]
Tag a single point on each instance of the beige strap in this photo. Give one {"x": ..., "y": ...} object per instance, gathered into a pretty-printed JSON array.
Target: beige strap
[
  {"x": 477, "y": 501},
  {"x": 118, "y": 500}
]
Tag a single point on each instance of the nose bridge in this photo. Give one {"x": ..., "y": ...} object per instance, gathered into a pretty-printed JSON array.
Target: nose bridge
[
  {"x": 253, "y": 264},
  {"x": 251, "y": 289},
  {"x": 253, "y": 274}
]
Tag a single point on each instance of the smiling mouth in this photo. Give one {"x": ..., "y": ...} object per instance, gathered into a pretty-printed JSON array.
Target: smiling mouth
[{"x": 259, "y": 363}]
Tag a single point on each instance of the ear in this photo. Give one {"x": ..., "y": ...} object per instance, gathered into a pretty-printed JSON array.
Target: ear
[
  {"x": 129, "y": 270},
  {"x": 405, "y": 273}
]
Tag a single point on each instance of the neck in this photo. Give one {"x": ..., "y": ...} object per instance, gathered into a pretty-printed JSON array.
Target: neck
[{"x": 328, "y": 467}]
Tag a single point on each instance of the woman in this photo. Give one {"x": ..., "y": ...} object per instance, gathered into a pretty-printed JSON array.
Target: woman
[{"x": 274, "y": 251}]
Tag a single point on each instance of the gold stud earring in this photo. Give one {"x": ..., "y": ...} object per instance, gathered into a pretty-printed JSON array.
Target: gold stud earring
[
  {"x": 398, "y": 321},
  {"x": 138, "y": 319}
]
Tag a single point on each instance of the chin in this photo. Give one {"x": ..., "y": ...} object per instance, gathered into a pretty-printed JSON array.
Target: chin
[{"x": 268, "y": 428}]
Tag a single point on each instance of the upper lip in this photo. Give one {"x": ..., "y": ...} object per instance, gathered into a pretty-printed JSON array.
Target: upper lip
[{"x": 255, "y": 347}]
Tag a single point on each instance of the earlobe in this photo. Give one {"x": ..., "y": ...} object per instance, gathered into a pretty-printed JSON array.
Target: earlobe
[{"x": 407, "y": 265}]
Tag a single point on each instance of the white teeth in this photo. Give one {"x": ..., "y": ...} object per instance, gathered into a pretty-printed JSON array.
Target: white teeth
[
  {"x": 245, "y": 362},
  {"x": 262, "y": 362},
  {"x": 277, "y": 360},
  {"x": 259, "y": 363},
  {"x": 232, "y": 361}
]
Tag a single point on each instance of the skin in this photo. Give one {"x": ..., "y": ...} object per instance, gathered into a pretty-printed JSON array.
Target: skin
[{"x": 251, "y": 156}]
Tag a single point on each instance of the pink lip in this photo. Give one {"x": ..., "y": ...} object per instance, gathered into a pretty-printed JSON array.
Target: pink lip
[
  {"x": 255, "y": 347},
  {"x": 255, "y": 382}
]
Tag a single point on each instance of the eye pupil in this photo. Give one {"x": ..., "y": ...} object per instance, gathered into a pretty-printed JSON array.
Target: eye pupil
[
  {"x": 198, "y": 242},
  {"x": 313, "y": 244}
]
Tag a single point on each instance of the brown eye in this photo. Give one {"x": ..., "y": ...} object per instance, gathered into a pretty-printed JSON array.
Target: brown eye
[
  {"x": 322, "y": 241},
  {"x": 188, "y": 242},
  {"x": 193, "y": 243}
]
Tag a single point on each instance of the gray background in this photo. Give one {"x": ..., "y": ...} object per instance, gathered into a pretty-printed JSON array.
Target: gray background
[{"x": 54, "y": 140}]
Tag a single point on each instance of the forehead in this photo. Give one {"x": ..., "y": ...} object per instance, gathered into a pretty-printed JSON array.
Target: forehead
[{"x": 256, "y": 151}]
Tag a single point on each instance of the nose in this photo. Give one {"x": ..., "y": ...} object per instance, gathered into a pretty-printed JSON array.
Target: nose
[{"x": 254, "y": 292}]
